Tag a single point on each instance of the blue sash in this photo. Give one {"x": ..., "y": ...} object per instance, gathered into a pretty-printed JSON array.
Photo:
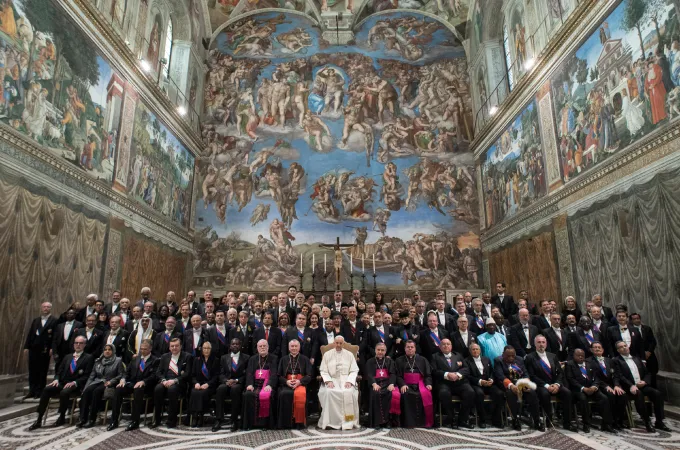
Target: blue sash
[
  {"x": 220, "y": 336},
  {"x": 301, "y": 335},
  {"x": 166, "y": 337},
  {"x": 435, "y": 338},
  {"x": 584, "y": 372},
  {"x": 545, "y": 368},
  {"x": 405, "y": 336},
  {"x": 590, "y": 339},
  {"x": 233, "y": 365},
  {"x": 72, "y": 367},
  {"x": 204, "y": 370},
  {"x": 382, "y": 335},
  {"x": 603, "y": 368},
  {"x": 516, "y": 368},
  {"x": 142, "y": 365}
]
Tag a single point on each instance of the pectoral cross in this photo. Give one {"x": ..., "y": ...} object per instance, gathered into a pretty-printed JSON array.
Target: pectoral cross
[
  {"x": 259, "y": 373},
  {"x": 381, "y": 373},
  {"x": 337, "y": 265}
]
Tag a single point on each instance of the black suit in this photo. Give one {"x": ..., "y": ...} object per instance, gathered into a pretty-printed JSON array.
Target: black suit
[
  {"x": 578, "y": 340},
  {"x": 554, "y": 376},
  {"x": 474, "y": 326},
  {"x": 276, "y": 313},
  {"x": 608, "y": 377},
  {"x": 450, "y": 324},
  {"x": 320, "y": 339},
  {"x": 39, "y": 344},
  {"x": 373, "y": 338},
  {"x": 353, "y": 335},
  {"x": 176, "y": 390},
  {"x": 518, "y": 339},
  {"x": 231, "y": 371},
  {"x": 446, "y": 388},
  {"x": 135, "y": 373},
  {"x": 161, "y": 342},
  {"x": 274, "y": 340},
  {"x": 607, "y": 315},
  {"x": 585, "y": 377},
  {"x": 459, "y": 345},
  {"x": 637, "y": 346},
  {"x": 245, "y": 338},
  {"x": 503, "y": 377},
  {"x": 220, "y": 344},
  {"x": 540, "y": 322},
  {"x": 493, "y": 391},
  {"x": 94, "y": 344},
  {"x": 62, "y": 346},
  {"x": 557, "y": 344},
  {"x": 190, "y": 346},
  {"x": 428, "y": 345},
  {"x": 109, "y": 309},
  {"x": 64, "y": 375},
  {"x": 82, "y": 314},
  {"x": 649, "y": 344},
  {"x": 306, "y": 343},
  {"x": 628, "y": 381},
  {"x": 120, "y": 342},
  {"x": 203, "y": 372},
  {"x": 507, "y": 306}
]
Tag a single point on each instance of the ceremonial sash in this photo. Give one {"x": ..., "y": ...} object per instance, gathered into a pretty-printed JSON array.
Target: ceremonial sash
[
  {"x": 299, "y": 400},
  {"x": 596, "y": 328},
  {"x": 435, "y": 338},
  {"x": 382, "y": 335},
  {"x": 405, "y": 336},
  {"x": 220, "y": 336},
  {"x": 142, "y": 365},
  {"x": 233, "y": 365},
  {"x": 546, "y": 368},
  {"x": 301, "y": 336},
  {"x": 72, "y": 367},
  {"x": 425, "y": 396},
  {"x": 258, "y": 324},
  {"x": 584, "y": 372},
  {"x": 603, "y": 367},
  {"x": 589, "y": 338},
  {"x": 480, "y": 322},
  {"x": 173, "y": 367},
  {"x": 516, "y": 368},
  {"x": 166, "y": 337},
  {"x": 204, "y": 371},
  {"x": 395, "y": 403},
  {"x": 263, "y": 396}
]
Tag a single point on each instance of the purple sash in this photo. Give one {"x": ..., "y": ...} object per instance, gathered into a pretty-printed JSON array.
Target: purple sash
[
  {"x": 395, "y": 404},
  {"x": 204, "y": 370},
  {"x": 262, "y": 374},
  {"x": 425, "y": 395}
]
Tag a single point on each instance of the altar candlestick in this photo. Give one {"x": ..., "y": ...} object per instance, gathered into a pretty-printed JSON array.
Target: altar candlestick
[
  {"x": 300, "y": 262},
  {"x": 313, "y": 264},
  {"x": 362, "y": 264},
  {"x": 351, "y": 263},
  {"x": 324, "y": 263},
  {"x": 373, "y": 262}
]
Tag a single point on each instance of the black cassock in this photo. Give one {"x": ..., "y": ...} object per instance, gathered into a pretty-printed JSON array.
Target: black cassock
[
  {"x": 251, "y": 399},
  {"x": 380, "y": 401},
  {"x": 413, "y": 412},
  {"x": 291, "y": 366}
]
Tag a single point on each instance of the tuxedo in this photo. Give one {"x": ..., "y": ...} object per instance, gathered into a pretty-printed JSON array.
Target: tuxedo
[
  {"x": 411, "y": 332},
  {"x": 578, "y": 340},
  {"x": 506, "y": 304},
  {"x": 320, "y": 339},
  {"x": 161, "y": 343},
  {"x": 244, "y": 334},
  {"x": 276, "y": 313},
  {"x": 231, "y": 370},
  {"x": 420, "y": 321},
  {"x": 274, "y": 340},
  {"x": 585, "y": 377},
  {"x": 68, "y": 371},
  {"x": 637, "y": 346},
  {"x": 608, "y": 377},
  {"x": 649, "y": 345},
  {"x": 181, "y": 326},
  {"x": 94, "y": 344},
  {"x": 220, "y": 344},
  {"x": 627, "y": 380},
  {"x": 503, "y": 377},
  {"x": 429, "y": 345},
  {"x": 474, "y": 326},
  {"x": 459, "y": 345},
  {"x": 39, "y": 343},
  {"x": 373, "y": 338},
  {"x": 190, "y": 346},
  {"x": 306, "y": 343},
  {"x": 61, "y": 345},
  {"x": 607, "y": 314},
  {"x": 445, "y": 389},
  {"x": 120, "y": 343},
  {"x": 542, "y": 377},
  {"x": 82, "y": 314},
  {"x": 256, "y": 322},
  {"x": 109, "y": 308},
  {"x": 450, "y": 324},
  {"x": 135, "y": 373},
  {"x": 175, "y": 391},
  {"x": 518, "y": 339},
  {"x": 557, "y": 344},
  {"x": 353, "y": 335},
  {"x": 541, "y": 322},
  {"x": 486, "y": 374}
]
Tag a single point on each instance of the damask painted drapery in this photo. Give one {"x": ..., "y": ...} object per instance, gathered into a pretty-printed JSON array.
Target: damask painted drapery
[
  {"x": 627, "y": 248},
  {"x": 529, "y": 264},
  {"x": 48, "y": 252}
]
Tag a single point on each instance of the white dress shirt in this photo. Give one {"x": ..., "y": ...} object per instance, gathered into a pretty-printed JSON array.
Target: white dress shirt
[
  {"x": 442, "y": 318},
  {"x": 625, "y": 336},
  {"x": 633, "y": 368},
  {"x": 558, "y": 332},
  {"x": 544, "y": 358},
  {"x": 67, "y": 329},
  {"x": 525, "y": 329},
  {"x": 197, "y": 336},
  {"x": 479, "y": 364},
  {"x": 448, "y": 357},
  {"x": 465, "y": 336}
]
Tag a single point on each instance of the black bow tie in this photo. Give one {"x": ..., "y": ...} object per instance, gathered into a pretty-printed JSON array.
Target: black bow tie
[
  {"x": 526, "y": 327},
  {"x": 624, "y": 329}
]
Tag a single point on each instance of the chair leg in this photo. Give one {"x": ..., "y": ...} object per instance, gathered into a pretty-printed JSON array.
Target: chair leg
[
  {"x": 47, "y": 413},
  {"x": 440, "y": 416},
  {"x": 146, "y": 406},
  {"x": 106, "y": 412},
  {"x": 629, "y": 410},
  {"x": 73, "y": 409}
]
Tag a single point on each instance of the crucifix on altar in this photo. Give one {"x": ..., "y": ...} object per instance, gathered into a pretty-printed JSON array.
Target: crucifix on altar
[{"x": 337, "y": 263}]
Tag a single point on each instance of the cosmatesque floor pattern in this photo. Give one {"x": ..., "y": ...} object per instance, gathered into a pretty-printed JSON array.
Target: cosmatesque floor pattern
[{"x": 14, "y": 435}]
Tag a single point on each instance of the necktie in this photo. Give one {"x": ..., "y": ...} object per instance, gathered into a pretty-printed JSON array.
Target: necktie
[{"x": 266, "y": 334}]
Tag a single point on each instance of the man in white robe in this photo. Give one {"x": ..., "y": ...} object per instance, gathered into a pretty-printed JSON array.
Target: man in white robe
[{"x": 338, "y": 396}]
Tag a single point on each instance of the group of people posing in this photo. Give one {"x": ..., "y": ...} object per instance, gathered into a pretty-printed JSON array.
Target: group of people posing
[{"x": 407, "y": 359}]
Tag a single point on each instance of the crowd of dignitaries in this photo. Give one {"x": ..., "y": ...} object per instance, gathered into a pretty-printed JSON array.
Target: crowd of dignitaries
[{"x": 254, "y": 363}]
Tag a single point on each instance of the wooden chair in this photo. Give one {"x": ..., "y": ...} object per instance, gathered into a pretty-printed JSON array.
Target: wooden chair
[
  {"x": 74, "y": 401},
  {"x": 455, "y": 400},
  {"x": 629, "y": 410}
]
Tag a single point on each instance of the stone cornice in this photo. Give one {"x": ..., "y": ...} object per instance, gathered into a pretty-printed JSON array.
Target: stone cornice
[
  {"x": 120, "y": 57},
  {"x": 662, "y": 141},
  {"x": 567, "y": 39},
  {"x": 105, "y": 198}
]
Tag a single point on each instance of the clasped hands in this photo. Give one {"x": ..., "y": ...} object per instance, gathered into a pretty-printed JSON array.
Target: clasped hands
[{"x": 331, "y": 385}]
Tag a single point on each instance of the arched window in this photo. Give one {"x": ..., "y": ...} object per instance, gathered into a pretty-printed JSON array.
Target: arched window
[
  {"x": 168, "y": 49},
  {"x": 508, "y": 57}
]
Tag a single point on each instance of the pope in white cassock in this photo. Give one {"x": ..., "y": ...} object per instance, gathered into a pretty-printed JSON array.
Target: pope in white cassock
[{"x": 339, "y": 397}]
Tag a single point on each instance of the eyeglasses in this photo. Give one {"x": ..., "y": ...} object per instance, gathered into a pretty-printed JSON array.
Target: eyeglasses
[{"x": 78, "y": 343}]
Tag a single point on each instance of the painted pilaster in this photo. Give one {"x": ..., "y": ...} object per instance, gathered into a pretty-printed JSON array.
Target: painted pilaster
[{"x": 563, "y": 249}]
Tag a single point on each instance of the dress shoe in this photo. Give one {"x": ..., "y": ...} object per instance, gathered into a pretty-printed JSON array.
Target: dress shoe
[
  {"x": 81, "y": 424},
  {"x": 586, "y": 428},
  {"x": 540, "y": 426},
  {"x": 482, "y": 425},
  {"x": 608, "y": 429},
  {"x": 171, "y": 425},
  {"x": 217, "y": 426},
  {"x": 194, "y": 423},
  {"x": 27, "y": 396},
  {"x": 571, "y": 427},
  {"x": 625, "y": 425},
  {"x": 61, "y": 420},
  {"x": 153, "y": 425},
  {"x": 132, "y": 426},
  {"x": 90, "y": 424},
  {"x": 516, "y": 425},
  {"x": 455, "y": 426},
  {"x": 467, "y": 426},
  {"x": 37, "y": 424},
  {"x": 662, "y": 426},
  {"x": 112, "y": 426},
  {"x": 649, "y": 427},
  {"x": 234, "y": 427}
]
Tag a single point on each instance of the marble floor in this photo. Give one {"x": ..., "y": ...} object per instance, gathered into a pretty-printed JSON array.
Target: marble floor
[{"x": 14, "y": 435}]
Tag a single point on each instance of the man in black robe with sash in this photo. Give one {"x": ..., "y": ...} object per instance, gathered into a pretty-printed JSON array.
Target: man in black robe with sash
[
  {"x": 384, "y": 406},
  {"x": 261, "y": 381},
  {"x": 295, "y": 373},
  {"x": 414, "y": 378}
]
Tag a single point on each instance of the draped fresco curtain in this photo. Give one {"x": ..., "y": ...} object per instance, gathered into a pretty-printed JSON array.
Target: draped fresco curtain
[
  {"x": 628, "y": 249},
  {"x": 529, "y": 264},
  {"x": 48, "y": 253},
  {"x": 145, "y": 263}
]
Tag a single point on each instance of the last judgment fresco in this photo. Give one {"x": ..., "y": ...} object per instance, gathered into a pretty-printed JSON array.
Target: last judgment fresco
[{"x": 308, "y": 145}]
